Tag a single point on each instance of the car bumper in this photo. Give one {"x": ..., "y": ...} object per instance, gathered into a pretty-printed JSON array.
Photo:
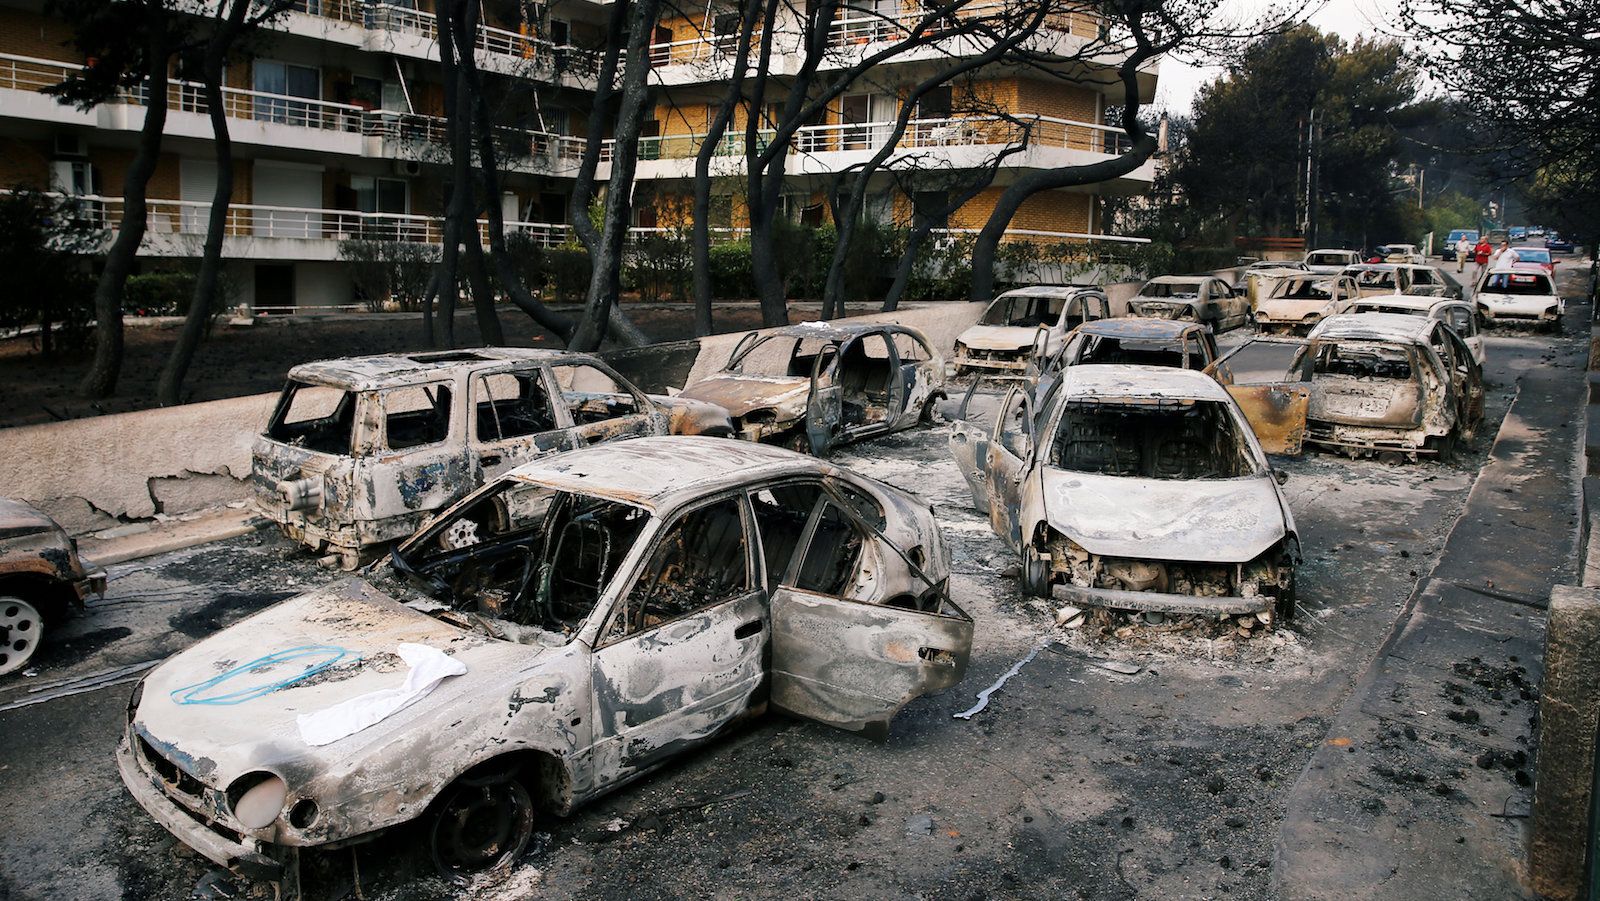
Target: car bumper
[
  {"x": 1160, "y": 602},
  {"x": 1514, "y": 314},
  {"x": 245, "y": 859},
  {"x": 996, "y": 364}
]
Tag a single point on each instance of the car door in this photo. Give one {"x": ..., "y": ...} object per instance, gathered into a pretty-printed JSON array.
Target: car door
[
  {"x": 1201, "y": 347},
  {"x": 420, "y": 461},
  {"x": 601, "y": 406},
  {"x": 875, "y": 353},
  {"x": 825, "y": 402},
  {"x": 1010, "y": 449},
  {"x": 682, "y": 651},
  {"x": 841, "y": 659},
  {"x": 970, "y": 434},
  {"x": 915, "y": 362},
  {"x": 513, "y": 420},
  {"x": 1266, "y": 384},
  {"x": 1465, "y": 375}
]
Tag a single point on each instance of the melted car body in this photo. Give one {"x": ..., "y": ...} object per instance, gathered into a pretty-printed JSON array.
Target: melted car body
[
  {"x": 612, "y": 606},
  {"x": 815, "y": 385},
  {"x": 42, "y": 579},
  {"x": 1148, "y": 342},
  {"x": 1457, "y": 314},
  {"x": 1134, "y": 488},
  {"x": 360, "y": 450},
  {"x": 1301, "y": 300},
  {"x": 1199, "y": 298},
  {"x": 1025, "y": 325}
]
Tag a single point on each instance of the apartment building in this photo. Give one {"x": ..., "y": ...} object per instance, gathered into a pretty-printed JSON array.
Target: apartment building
[{"x": 338, "y": 131}]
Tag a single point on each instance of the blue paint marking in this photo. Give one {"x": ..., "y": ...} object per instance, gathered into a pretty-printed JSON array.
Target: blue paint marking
[{"x": 196, "y": 693}]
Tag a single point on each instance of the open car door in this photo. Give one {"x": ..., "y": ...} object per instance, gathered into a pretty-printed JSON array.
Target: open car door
[
  {"x": 825, "y": 403},
  {"x": 1009, "y": 450},
  {"x": 850, "y": 663},
  {"x": 1261, "y": 377},
  {"x": 969, "y": 444}
]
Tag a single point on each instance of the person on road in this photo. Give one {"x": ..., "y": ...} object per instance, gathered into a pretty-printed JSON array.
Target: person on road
[
  {"x": 1463, "y": 250},
  {"x": 1506, "y": 258},
  {"x": 1480, "y": 255}
]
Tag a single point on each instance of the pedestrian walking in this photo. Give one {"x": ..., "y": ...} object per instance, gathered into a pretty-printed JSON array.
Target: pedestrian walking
[
  {"x": 1480, "y": 256},
  {"x": 1463, "y": 250}
]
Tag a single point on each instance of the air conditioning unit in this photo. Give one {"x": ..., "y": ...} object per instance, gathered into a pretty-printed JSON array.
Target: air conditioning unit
[
  {"x": 71, "y": 145},
  {"x": 408, "y": 168}
]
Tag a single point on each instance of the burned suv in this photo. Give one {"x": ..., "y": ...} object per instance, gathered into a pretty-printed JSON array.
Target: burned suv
[
  {"x": 360, "y": 451},
  {"x": 1134, "y": 488}
]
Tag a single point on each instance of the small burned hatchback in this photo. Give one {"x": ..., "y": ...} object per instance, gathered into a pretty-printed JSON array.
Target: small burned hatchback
[
  {"x": 593, "y": 615},
  {"x": 360, "y": 450}
]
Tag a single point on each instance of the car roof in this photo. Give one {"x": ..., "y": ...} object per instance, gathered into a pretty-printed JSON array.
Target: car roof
[
  {"x": 1051, "y": 291},
  {"x": 1400, "y": 328},
  {"x": 1180, "y": 279},
  {"x": 1333, "y": 250},
  {"x": 1288, "y": 272},
  {"x": 1138, "y": 381},
  {"x": 1138, "y": 327},
  {"x": 837, "y": 331},
  {"x": 1374, "y": 267},
  {"x": 661, "y": 471},
  {"x": 388, "y": 370},
  {"x": 1403, "y": 301}
]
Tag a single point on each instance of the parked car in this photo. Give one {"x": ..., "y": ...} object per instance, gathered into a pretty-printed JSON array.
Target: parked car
[
  {"x": 1198, "y": 298},
  {"x": 1535, "y": 259},
  {"x": 42, "y": 580},
  {"x": 360, "y": 450},
  {"x": 1148, "y": 342},
  {"x": 1455, "y": 313},
  {"x": 1519, "y": 297},
  {"x": 1517, "y": 232},
  {"x": 604, "y": 610},
  {"x": 816, "y": 385},
  {"x": 1448, "y": 251},
  {"x": 1331, "y": 262},
  {"x": 1262, "y": 276},
  {"x": 1380, "y": 384},
  {"x": 1137, "y": 488},
  {"x": 1022, "y": 325},
  {"x": 1298, "y": 303},
  {"x": 1403, "y": 278},
  {"x": 1401, "y": 253},
  {"x": 1557, "y": 244}
]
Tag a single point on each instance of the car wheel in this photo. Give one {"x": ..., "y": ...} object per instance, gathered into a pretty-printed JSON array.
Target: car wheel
[
  {"x": 480, "y": 823},
  {"x": 926, "y": 416},
  {"x": 21, "y": 628},
  {"x": 1035, "y": 574},
  {"x": 1444, "y": 447}
]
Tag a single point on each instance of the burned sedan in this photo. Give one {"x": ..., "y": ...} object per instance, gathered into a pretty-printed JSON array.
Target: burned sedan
[
  {"x": 1136, "y": 488},
  {"x": 580, "y": 620},
  {"x": 42, "y": 579},
  {"x": 815, "y": 385},
  {"x": 1147, "y": 342},
  {"x": 1198, "y": 298},
  {"x": 1299, "y": 301},
  {"x": 360, "y": 450},
  {"x": 1027, "y": 324}
]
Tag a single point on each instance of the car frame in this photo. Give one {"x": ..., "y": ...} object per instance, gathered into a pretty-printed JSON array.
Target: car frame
[
  {"x": 1347, "y": 258},
  {"x": 1015, "y": 346},
  {"x": 1280, "y": 313},
  {"x": 1166, "y": 342},
  {"x": 1211, "y": 301},
  {"x": 42, "y": 580},
  {"x": 844, "y": 619},
  {"x": 1458, "y": 314},
  {"x": 362, "y": 473},
  {"x": 1074, "y": 529},
  {"x": 814, "y": 406}
]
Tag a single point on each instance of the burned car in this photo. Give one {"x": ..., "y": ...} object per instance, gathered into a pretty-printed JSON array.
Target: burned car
[
  {"x": 1327, "y": 261},
  {"x": 1379, "y": 384},
  {"x": 815, "y": 385},
  {"x": 1455, "y": 313},
  {"x": 1517, "y": 297},
  {"x": 360, "y": 450},
  {"x": 1135, "y": 488},
  {"x": 1021, "y": 327},
  {"x": 42, "y": 579},
  {"x": 597, "y": 613},
  {"x": 1402, "y": 278},
  {"x": 1147, "y": 342},
  {"x": 1197, "y": 298},
  {"x": 1299, "y": 301}
]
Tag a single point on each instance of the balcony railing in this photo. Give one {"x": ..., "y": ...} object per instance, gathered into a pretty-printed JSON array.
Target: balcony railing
[
  {"x": 1040, "y": 237},
  {"x": 857, "y": 26},
  {"x": 708, "y": 48},
  {"x": 546, "y": 56}
]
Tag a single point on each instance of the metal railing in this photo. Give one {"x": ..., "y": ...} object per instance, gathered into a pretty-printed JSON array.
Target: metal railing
[
  {"x": 855, "y": 26},
  {"x": 1042, "y": 237},
  {"x": 699, "y": 49}
]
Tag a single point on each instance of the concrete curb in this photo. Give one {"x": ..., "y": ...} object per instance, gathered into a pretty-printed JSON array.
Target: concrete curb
[{"x": 164, "y": 538}]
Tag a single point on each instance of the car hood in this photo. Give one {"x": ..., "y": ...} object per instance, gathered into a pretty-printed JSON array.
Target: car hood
[
  {"x": 999, "y": 337},
  {"x": 1293, "y": 309},
  {"x": 22, "y": 518},
  {"x": 739, "y": 394},
  {"x": 217, "y": 743},
  {"x": 1223, "y": 520}
]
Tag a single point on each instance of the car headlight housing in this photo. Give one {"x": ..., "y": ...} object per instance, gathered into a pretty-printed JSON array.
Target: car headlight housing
[{"x": 256, "y": 799}]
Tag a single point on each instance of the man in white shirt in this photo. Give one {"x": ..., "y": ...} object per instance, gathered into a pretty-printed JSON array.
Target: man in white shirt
[
  {"x": 1463, "y": 250},
  {"x": 1506, "y": 257}
]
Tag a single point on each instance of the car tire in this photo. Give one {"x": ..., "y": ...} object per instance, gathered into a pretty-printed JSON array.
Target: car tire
[
  {"x": 926, "y": 416},
  {"x": 21, "y": 630},
  {"x": 480, "y": 822},
  {"x": 1034, "y": 575}
]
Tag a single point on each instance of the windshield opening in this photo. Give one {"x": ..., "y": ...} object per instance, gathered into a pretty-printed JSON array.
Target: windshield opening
[
  {"x": 315, "y": 417},
  {"x": 1029, "y": 312},
  {"x": 1375, "y": 278},
  {"x": 1513, "y": 283},
  {"x": 1169, "y": 289},
  {"x": 1363, "y": 361},
  {"x": 1167, "y": 439},
  {"x": 1328, "y": 259},
  {"x": 779, "y": 355},
  {"x": 1302, "y": 289},
  {"x": 523, "y": 562},
  {"x": 1162, "y": 352}
]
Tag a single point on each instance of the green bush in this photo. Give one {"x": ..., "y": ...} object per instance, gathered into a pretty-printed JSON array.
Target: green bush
[
  {"x": 659, "y": 266},
  {"x": 732, "y": 273},
  {"x": 158, "y": 294},
  {"x": 569, "y": 272}
]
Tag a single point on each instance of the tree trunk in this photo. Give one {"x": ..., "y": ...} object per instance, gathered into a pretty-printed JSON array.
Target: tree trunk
[
  {"x": 101, "y": 379},
  {"x": 457, "y": 27},
  {"x": 202, "y": 304}
]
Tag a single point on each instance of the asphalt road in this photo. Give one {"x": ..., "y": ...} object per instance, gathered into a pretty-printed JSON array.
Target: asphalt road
[{"x": 1077, "y": 781}]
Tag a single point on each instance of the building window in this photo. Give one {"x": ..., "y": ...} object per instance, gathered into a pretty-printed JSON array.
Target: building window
[
  {"x": 285, "y": 80},
  {"x": 380, "y": 195}
]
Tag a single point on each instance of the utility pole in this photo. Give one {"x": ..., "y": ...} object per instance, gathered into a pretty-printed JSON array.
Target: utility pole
[{"x": 1312, "y": 136}]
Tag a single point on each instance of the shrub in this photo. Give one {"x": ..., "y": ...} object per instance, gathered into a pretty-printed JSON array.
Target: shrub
[
  {"x": 158, "y": 293},
  {"x": 569, "y": 271},
  {"x": 659, "y": 265},
  {"x": 732, "y": 275}
]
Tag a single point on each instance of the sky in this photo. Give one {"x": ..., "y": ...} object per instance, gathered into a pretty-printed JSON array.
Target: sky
[{"x": 1181, "y": 78}]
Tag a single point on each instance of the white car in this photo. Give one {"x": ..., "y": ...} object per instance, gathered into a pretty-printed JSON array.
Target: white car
[
  {"x": 1519, "y": 296},
  {"x": 1331, "y": 262},
  {"x": 1299, "y": 301},
  {"x": 1455, "y": 313},
  {"x": 1402, "y": 253},
  {"x": 1023, "y": 325}
]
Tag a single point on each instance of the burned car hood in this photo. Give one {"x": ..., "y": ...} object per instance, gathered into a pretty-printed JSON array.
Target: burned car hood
[
  {"x": 999, "y": 337},
  {"x": 1284, "y": 308},
  {"x": 218, "y": 742},
  {"x": 1222, "y": 520},
  {"x": 739, "y": 394},
  {"x": 19, "y": 518},
  {"x": 1163, "y": 307}
]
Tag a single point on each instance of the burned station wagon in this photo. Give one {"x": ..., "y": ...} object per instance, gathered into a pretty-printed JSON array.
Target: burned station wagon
[
  {"x": 360, "y": 450},
  {"x": 1023, "y": 326},
  {"x": 602, "y": 611},
  {"x": 815, "y": 385},
  {"x": 1136, "y": 488}
]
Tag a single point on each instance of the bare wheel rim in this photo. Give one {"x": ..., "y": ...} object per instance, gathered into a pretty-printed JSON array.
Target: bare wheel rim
[
  {"x": 481, "y": 826},
  {"x": 20, "y": 630}
]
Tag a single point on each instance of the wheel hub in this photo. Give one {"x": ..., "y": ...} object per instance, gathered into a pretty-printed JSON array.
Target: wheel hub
[{"x": 20, "y": 631}]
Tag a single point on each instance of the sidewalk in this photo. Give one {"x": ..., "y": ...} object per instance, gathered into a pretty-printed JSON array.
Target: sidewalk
[{"x": 1423, "y": 786}]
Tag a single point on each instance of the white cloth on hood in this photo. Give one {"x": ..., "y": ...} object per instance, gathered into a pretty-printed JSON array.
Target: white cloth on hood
[{"x": 429, "y": 667}]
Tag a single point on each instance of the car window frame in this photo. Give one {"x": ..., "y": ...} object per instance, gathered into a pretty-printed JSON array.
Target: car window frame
[
  {"x": 537, "y": 370},
  {"x": 382, "y": 439}
]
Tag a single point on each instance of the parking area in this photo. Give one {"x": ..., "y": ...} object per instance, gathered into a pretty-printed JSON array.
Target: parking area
[{"x": 1150, "y": 759}]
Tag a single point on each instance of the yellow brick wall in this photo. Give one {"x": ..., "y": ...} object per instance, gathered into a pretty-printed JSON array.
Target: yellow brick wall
[
  {"x": 1028, "y": 95},
  {"x": 24, "y": 164},
  {"x": 30, "y": 34},
  {"x": 1052, "y": 211}
]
